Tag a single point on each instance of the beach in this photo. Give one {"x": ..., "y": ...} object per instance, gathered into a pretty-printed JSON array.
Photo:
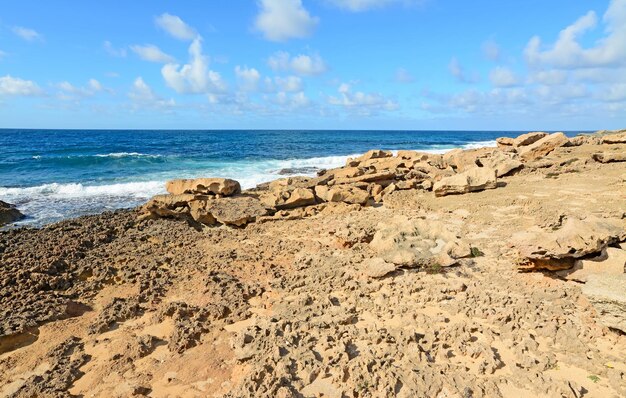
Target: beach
[{"x": 491, "y": 270}]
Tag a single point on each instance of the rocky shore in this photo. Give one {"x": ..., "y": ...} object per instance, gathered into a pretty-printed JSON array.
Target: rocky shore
[{"x": 491, "y": 272}]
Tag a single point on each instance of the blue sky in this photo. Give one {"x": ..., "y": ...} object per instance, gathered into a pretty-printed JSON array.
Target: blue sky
[{"x": 307, "y": 64}]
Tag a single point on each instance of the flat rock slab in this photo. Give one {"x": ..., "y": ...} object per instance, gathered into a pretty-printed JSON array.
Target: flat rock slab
[
  {"x": 607, "y": 293},
  {"x": 472, "y": 180},
  {"x": 609, "y": 157},
  {"x": 416, "y": 243},
  {"x": 559, "y": 249}
]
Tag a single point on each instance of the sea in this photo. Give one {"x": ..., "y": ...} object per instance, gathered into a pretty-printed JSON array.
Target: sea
[{"x": 51, "y": 175}]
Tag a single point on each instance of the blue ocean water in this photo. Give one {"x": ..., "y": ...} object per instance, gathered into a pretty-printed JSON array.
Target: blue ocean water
[{"x": 55, "y": 174}]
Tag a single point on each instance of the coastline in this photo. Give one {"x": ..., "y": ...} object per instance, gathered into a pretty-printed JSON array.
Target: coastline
[{"x": 422, "y": 289}]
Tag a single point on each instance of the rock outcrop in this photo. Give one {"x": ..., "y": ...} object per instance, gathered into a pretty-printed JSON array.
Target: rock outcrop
[
  {"x": 617, "y": 138},
  {"x": 528, "y": 138},
  {"x": 543, "y": 146},
  {"x": 475, "y": 179},
  {"x": 204, "y": 186},
  {"x": 575, "y": 238},
  {"x": 368, "y": 179},
  {"x": 609, "y": 157},
  {"x": 9, "y": 214}
]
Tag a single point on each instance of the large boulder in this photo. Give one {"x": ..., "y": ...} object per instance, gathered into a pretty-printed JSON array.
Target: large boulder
[
  {"x": 528, "y": 138},
  {"x": 170, "y": 206},
  {"x": 543, "y": 146},
  {"x": 204, "y": 186},
  {"x": 9, "y": 214},
  {"x": 415, "y": 243},
  {"x": 607, "y": 293},
  {"x": 475, "y": 179},
  {"x": 502, "y": 162},
  {"x": 575, "y": 238}
]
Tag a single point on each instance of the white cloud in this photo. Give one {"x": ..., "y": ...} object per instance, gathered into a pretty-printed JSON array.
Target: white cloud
[
  {"x": 501, "y": 76},
  {"x": 281, "y": 20},
  {"x": 26, "y": 33},
  {"x": 175, "y": 26},
  {"x": 549, "y": 77},
  {"x": 292, "y": 101},
  {"x": 2, "y": 54},
  {"x": 70, "y": 92},
  {"x": 568, "y": 53},
  {"x": 143, "y": 96},
  {"x": 491, "y": 50},
  {"x": 248, "y": 78},
  {"x": 152, "y": 53},
  {"x": 403, "y": 76},
  {"x": 112, "y": 51},
  {"x": 361, "y": 103},
  {"x": 364, "y": 5},
  {"x": 307, "y": 65},
  {"x": 289, "y": 83},
  {"x": 459, "y": 73},
  {"x": 194, "y": 77},
  {"x": 15, "y": 86}
]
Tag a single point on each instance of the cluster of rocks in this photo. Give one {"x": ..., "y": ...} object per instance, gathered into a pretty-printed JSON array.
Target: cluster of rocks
[{"x": 363, "y": 181}]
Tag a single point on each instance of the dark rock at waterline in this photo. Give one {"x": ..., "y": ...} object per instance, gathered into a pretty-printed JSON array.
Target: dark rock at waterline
[
  {"x": 9, "y": 214},
  {"x": 297, "y": 170}
]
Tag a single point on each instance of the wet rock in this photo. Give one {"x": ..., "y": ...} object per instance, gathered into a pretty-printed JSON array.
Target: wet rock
[
  {"x": 472, "y": 180},
  {"x": 298, "y": 170},
  {"x": 9, "y": 214},
  {"x": 607, "y": 293},
  {"x": 204, "y": 186}
]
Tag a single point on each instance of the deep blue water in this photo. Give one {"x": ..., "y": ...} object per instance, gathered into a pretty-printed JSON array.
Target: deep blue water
[{"x": 56, "y": 174}]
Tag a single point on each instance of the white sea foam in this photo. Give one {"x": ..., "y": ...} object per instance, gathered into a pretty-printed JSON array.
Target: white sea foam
[{"x": 127, "y": 155}]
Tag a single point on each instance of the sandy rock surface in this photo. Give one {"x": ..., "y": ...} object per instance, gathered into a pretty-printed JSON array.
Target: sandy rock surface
[{"x": 407, "y": 294}]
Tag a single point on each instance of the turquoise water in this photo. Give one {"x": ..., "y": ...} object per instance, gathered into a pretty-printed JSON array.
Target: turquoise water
[{"x": 55, "y": 174}]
